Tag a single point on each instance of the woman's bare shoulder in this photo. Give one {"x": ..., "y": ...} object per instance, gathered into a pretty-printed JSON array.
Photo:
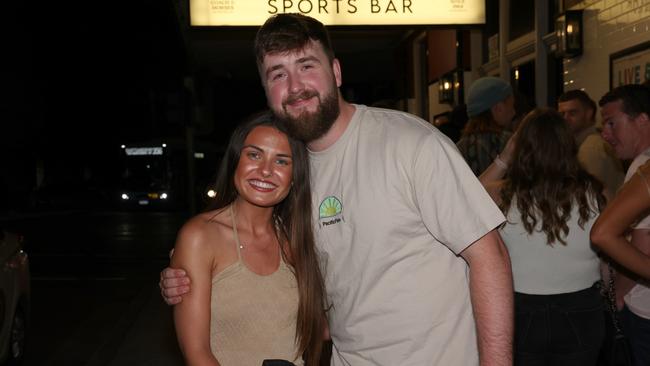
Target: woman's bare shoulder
[{"x": 204, "y": 231}]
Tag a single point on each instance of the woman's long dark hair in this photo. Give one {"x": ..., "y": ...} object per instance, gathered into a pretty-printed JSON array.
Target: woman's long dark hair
[
  {"x": 547, "y": 179},
  {"x": 294, "y": 215},
  {"x": 482, "y": 123}
]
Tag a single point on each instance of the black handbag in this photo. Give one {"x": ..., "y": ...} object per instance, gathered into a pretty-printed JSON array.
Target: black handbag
[{"x": 616, "y": 348}]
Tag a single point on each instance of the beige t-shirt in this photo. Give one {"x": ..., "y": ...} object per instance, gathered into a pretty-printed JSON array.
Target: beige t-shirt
[
  {"x": 394, "y": 204},
  {"x": 597, "y": 158},
  {"x": 638, "y": 299}
]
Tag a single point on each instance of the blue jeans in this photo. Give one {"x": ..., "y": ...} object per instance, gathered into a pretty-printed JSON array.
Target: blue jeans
[
  {"x": 563, "y": 329},
  {"x": 637, "y": 331}
]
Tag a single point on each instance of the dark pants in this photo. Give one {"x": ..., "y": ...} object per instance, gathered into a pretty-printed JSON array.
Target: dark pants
[
  {"x": 637, "y": 331},
  {"x": 563, "y": 329}
]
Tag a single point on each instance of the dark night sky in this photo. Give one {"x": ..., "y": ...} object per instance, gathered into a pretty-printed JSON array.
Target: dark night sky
[
  {"x": 78, "y": 78},
  {"x": 85, "y": 71},
  {"x": 88, "y": 73}
]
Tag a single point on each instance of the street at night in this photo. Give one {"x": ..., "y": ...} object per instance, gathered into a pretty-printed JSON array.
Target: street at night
[
  {"x": 401, "y": 182},
  {"x": 95, "y": 298}
]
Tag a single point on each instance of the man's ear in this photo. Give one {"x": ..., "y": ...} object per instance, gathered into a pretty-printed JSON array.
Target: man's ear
[
  {"x": 591, "y": 114},
  {"x": 642, "y": 120},
  {"x": 336, "y": 68}
]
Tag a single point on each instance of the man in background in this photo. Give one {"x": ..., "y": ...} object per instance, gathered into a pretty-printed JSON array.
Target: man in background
[
  {"x": 594, "y": 154},
  {"x": 626, "y": 127}
]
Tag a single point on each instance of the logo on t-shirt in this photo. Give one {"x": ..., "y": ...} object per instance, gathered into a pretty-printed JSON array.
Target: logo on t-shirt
[{"x": 330, "y": 211}]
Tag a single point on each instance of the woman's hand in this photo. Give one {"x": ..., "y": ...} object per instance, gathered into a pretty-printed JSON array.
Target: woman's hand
[{"x": 509, "y": 150}]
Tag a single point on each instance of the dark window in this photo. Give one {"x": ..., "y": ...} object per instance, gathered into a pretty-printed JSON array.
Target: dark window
[
  {"x": 522, "y": 78},
  {"x": 491, "y": 17},
  {"x": 522, "y": 18},
  {"x": 554, "y": 9},
  {"x": 491, "y": 24},
  {"x": 555, "y": 79}
]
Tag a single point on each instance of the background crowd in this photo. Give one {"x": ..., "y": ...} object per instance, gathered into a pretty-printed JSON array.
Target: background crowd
[
  {"x": 420, "y": 263},
  {"x": 552, "y": 179}
]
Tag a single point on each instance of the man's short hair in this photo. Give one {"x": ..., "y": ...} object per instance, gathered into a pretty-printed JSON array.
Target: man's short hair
[
  {"x": 289, "y": 32},
  {"x": 635, "y": 98},
  {"x": 581, "y": 96}
]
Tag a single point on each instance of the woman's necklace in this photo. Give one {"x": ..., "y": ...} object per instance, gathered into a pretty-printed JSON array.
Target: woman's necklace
[
  {"x": 234, "y": 218},
  {"x": 234, "y": 225}
]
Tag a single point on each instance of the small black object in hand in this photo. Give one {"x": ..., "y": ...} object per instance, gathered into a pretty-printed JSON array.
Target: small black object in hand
[{"x": 277, "y": 363}]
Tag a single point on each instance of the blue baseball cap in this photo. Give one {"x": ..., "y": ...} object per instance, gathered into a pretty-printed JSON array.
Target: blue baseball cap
[{"x": 486, "y": 92}]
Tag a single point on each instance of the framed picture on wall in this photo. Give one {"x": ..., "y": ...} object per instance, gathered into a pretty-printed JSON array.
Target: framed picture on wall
[{"x": 630, "y": 66}]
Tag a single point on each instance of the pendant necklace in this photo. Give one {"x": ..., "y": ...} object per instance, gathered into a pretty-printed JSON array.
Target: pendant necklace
[{"x": 234, "y": 225}]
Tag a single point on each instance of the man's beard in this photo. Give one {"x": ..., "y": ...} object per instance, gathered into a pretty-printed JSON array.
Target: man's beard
[{"x": 309, "y": 126}]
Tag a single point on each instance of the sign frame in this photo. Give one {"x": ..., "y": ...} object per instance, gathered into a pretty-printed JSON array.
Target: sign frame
[
  {"x": 253, "y": 13},
  {"x": 631, "y": 64}
]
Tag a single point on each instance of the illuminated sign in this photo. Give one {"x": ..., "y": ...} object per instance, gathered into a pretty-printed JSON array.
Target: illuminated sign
[
  {"x": 339, "y": 12},
  {"x": 144, "y": 150}
]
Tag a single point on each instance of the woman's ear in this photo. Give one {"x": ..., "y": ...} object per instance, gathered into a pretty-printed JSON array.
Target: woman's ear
[{"x": 497, "y": 107}]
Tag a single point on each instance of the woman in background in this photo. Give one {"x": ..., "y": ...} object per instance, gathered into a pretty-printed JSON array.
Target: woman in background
[
  {"x": 551, "y": 204},
  {"x": 610, "y": 230},
  {"x": 490, "y": 108},
  {"x": 627, "y": 216}
]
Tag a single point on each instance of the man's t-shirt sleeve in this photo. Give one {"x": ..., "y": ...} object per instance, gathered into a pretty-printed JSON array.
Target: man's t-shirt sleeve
[{"x": 453, "y": 204}]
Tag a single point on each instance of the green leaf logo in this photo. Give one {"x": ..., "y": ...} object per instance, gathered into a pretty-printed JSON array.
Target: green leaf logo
[{"x": 331, "y": 206}]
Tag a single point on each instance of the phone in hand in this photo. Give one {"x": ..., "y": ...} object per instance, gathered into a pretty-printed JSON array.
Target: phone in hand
[{"x": 277, "y": 363}]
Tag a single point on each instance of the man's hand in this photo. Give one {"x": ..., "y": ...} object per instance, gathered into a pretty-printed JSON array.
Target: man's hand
[{"x": 173, "y": 284}]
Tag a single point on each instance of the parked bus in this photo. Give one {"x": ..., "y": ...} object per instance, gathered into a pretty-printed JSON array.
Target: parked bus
[{"x": 157, "y": 174}]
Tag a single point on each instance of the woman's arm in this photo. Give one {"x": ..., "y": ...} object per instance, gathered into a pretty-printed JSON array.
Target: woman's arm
[
  {"x": 492, "y": 177},
  {"x": 608, "y": 233},
  {"x": 192, "y": 315}
]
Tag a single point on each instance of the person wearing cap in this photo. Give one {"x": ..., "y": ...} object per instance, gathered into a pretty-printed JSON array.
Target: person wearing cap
[{"x": 490, "y": 108}]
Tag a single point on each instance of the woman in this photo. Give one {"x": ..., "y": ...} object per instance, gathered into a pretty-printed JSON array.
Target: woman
[
  {"x": 257, "y": 291},
  {"x": 630, "y": 248},
  {"x": 490, "y": 108},
  {"x": 610, "y": 230},
  {"x": 550, "y": 203}
]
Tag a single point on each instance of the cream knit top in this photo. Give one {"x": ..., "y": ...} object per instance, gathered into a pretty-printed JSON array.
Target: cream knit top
[{"x": 253, "y": 317}]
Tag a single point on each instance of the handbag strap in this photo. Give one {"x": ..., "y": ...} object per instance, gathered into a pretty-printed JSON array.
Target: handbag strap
[{"x": 611, "y": 298}]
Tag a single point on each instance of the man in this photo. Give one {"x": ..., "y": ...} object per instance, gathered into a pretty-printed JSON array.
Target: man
[
  {"x": 595, "y": 156},
  {"x": 626, "y": 127},
  {"x": 398, "y": 217}
]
